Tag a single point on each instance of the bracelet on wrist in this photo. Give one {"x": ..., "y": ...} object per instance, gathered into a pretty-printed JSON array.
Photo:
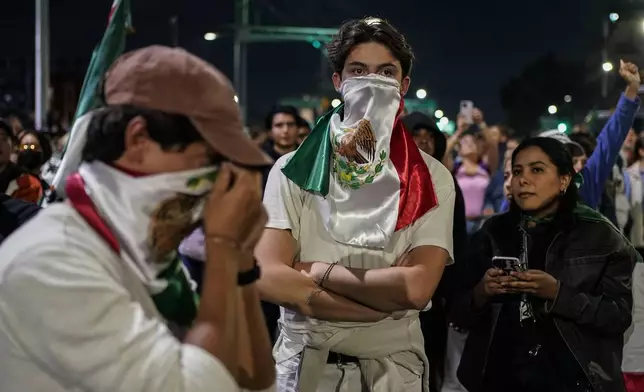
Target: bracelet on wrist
[{"x": 326, "y": 274}]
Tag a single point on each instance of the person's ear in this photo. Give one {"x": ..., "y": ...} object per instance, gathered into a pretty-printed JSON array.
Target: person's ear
[
  {"x": 337, "y": 81},
  {"x": 137, "y": 139},
  {"x": 404, "y": 85},
  {"x": 564, "y": 182}
]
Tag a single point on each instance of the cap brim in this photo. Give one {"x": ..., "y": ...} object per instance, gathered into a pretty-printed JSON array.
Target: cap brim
[{"x": 232, "y": 143}]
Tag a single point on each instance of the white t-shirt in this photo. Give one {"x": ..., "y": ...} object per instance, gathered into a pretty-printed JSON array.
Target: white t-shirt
[
  {"x": 291, "y": 208},
  {"x": 73, "y": 317}
]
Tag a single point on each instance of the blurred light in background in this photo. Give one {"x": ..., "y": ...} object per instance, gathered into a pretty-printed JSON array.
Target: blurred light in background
[
  {"x": 335, "y": 103},
  {"x": 607, "y": 66}
]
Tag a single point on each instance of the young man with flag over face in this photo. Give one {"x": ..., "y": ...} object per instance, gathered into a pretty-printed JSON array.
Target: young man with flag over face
[
  {"x": 92, "y": 294},
  {"x": 359, "y": 230}
]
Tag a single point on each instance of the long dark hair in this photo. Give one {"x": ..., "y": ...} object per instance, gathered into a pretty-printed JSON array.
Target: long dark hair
[{"x": 560, "y": 156}]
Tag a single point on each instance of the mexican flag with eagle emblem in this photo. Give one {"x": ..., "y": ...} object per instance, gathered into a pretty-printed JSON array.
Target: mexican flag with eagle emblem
[{"x": 367, "y": 174}]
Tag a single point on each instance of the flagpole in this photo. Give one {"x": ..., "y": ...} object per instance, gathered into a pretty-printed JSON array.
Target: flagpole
[
  {"x": 242, "y": 10},
  {"x": 41, "y": 104}
]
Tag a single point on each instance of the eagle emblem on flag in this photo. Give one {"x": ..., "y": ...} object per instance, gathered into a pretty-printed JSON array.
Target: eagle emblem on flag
[
  {"x": 356, "y": 139},
  {"x": 356, "y": 161}
]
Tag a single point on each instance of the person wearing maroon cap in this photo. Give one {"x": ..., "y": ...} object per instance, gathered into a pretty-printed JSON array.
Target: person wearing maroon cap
[{"x": 92, "y": 294}]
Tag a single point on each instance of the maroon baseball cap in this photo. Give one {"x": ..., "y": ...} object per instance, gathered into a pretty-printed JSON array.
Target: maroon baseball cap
[{"x": 174, "y": 81}]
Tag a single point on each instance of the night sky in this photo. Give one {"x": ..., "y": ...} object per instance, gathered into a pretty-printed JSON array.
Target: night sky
[{"x": 465, "y": 49}]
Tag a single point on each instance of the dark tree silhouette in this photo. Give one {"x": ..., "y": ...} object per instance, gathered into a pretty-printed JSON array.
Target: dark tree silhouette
[{"x": 542, "y": 83}]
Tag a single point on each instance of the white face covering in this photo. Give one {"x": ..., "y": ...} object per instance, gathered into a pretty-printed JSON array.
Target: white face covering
[
  {"x": 149, "y": 215},
  {"x": 361, "y": 207}
]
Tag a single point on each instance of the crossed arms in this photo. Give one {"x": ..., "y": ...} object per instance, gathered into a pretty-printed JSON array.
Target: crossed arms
[{"x": 350, "y": 294}]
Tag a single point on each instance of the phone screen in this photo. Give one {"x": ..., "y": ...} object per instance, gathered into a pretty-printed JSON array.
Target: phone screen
[
  {"x": 467, "y": 109},
  {"x": 507, "y": 264}
]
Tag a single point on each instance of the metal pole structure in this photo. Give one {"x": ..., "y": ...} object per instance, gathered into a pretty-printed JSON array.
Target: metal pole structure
[
  {"x": 324, "y": 66},
  {"x": 605, "y": 59},
  {"x": 174, "y": 25},
  {"x": 41, "y": 105},
  {"x": 242, "y": 12}
]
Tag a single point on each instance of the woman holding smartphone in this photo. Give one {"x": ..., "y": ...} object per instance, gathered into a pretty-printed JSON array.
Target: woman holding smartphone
[{"x": 558, "y": 324}]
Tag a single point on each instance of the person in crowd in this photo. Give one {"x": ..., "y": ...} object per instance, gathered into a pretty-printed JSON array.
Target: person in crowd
[
  {"x": 16, "y": 125},
  {"x": 303, "y": 130},
  {"x": 349, "y": 254},
  {"x": 494, "y": 192},
  {"x": 551, "y": 314},
  {"x": 433, "y": 323},
  {"x": 92, "y": 295},
  {"x": 34, "y": 150},
  {"x": 477, "y": 161},
  {"x": 50, "y": 168},
  {"x": 13, "y": 214},
  {"x": 282, "y": 123},
  {"x": 282, "y": 126},
  {"x": 628, "y": 147},
  {"x": 473, "y": 177},
  {"x": 633, "y": 362},
  {"x": 634, "y": 192},
  {"x": 15, "y": 180},
  {"x": 599, "y": 166},
  {"x": 258, "y": 134}
]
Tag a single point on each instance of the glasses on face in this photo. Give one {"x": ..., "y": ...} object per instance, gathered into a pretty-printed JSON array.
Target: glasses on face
[{"x": 26, "y": 147}]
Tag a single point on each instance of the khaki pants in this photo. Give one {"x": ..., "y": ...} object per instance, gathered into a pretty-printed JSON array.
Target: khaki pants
[{"x": 338, "y": 378}]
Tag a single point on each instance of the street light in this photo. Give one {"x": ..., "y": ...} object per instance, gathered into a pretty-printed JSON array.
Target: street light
[
  {"x": 335, "y": 103},
  {"x": 552, "y": 109},
  {"x": 562, "y": 127},
  {"x": 444, "y": 120},
  {"x": 568, "y": 99},
  {"x": 439, "y": 113},
  {"x": 607, "y": 66},
  {"x": 210, "y": 36},
  {"x": 614, "y": 17},
  {"x": 421, "y": 93}
]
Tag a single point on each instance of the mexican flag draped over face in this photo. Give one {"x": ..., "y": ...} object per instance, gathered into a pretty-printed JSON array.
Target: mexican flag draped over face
[{"x": 368, "y": 176}]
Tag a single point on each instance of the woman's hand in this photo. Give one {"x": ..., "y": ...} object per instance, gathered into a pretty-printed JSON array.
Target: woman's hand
[
  {"x": 534, "y": 282},
  {"x": 492, "y": 284}
]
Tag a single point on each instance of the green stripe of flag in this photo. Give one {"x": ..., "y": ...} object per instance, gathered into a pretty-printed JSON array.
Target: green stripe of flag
[{"x": 111, "y": 47}]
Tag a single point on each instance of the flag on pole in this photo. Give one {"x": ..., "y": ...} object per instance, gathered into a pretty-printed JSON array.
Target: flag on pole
[{"x": 110, "y": 48}]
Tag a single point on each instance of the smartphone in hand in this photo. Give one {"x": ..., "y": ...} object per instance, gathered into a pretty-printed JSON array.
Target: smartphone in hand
[
  {"x": 467, "y": 111},
  {"x": 507, "y": 264}
]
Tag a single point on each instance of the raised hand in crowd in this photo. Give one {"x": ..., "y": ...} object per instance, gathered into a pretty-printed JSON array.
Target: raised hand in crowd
[{"x": 631, "y": 75}]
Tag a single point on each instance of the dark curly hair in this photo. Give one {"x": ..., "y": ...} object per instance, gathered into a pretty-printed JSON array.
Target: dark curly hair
[{"x": 360, "y": 31}]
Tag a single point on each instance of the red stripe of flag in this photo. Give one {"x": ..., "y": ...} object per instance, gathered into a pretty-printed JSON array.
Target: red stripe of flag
[{"x": 417, "y": 194}]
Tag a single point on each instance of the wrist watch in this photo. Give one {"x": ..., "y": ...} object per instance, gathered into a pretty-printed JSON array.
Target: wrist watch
[{"x": 245, "y": 278}]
